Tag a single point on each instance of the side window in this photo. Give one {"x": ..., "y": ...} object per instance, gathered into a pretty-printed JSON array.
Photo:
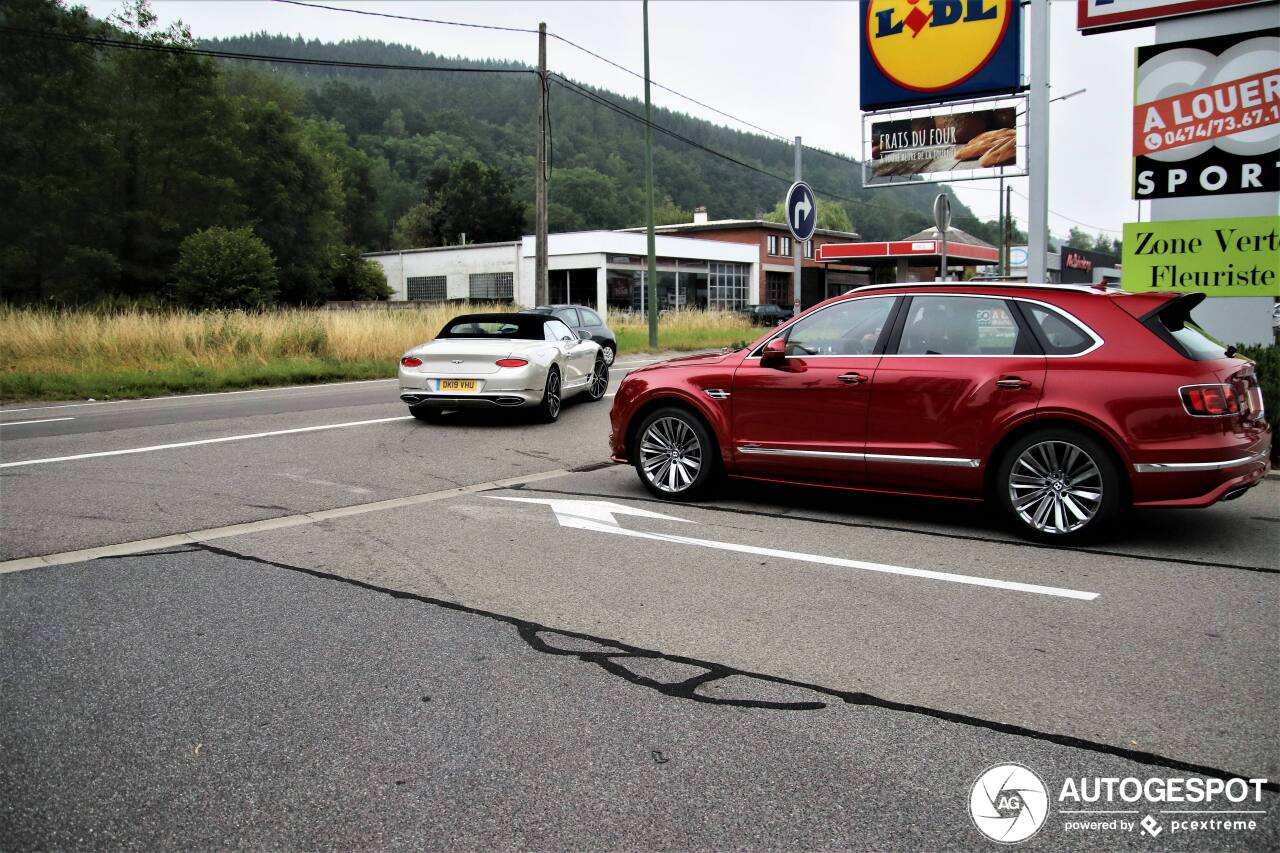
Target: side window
[
  {"x": 557, "y": 331},
  {"x": 846, "y": 328},
  {"x": 568, "y": 315},
  {"x": 590, "y": 318},
  {"x": 1060, "y": 335},
  {"x": 956, "y": 325}
]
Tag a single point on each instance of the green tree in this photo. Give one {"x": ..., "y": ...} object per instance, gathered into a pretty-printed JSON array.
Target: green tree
[
  {"x": 54, "y": 222},
  {"x": 224, "y": 268},
  {"x": 470, "y": 198},
  {"x": 669, "y": 213},
  {"x": 831, "y": 215},
  {"x": 357, "y": 278},
  {"x": 293, "y": 195}
]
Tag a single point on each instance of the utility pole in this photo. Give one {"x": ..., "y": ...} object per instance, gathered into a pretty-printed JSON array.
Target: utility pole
[
  {"x": 1003, "y": 269},
  {"x": 651, "y": 285},
  {"x": 540, "y": 180},
  {"x": 1008, "y": 228},
  {"x": 795, "y": 248},
  {"x": 1038, "y": 145}
]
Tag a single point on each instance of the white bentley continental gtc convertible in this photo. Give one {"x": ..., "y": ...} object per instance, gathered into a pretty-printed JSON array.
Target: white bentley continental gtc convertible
[{"x": 529, "y": 361}]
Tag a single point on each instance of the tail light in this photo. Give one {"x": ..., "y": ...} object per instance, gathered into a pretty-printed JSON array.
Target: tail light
[
  {"x": 511, "y": 362},
  {"x": 410, "y": 361},
  {"x": 1210, "y": 400}
]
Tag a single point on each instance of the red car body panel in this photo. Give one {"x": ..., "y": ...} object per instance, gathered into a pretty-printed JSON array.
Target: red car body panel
[{"x": 945, "y": 418}]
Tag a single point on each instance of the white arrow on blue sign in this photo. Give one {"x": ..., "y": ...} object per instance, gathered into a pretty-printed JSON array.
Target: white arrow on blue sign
[{"x": 802, "y": 211}]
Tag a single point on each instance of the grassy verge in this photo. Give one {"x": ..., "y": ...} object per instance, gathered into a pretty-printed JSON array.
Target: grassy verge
[{"x": 66, "y": 355}]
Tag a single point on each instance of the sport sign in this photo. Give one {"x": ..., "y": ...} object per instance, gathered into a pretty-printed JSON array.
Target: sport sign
[
  {"x": 1206, "y": 116},
  {"x": 926, "y": 51},
  {"x": 1097, "y": 16},
  {"x": 1218, "y": 257}
]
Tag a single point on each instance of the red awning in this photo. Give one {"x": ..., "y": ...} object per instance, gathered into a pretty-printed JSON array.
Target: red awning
[{"x": 929, "y": 250}]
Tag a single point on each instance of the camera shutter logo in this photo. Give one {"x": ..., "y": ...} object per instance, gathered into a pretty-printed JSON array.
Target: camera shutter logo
[{"x": 1008, "y": 803}]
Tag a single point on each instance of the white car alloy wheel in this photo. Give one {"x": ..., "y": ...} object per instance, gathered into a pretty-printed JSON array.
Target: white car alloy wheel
[
  {"x": 551, "y": 397},
  {"x": 1055, "y": 487},
  {"x": 599, "y": 380},
  {"x": 671, "y": 455}
]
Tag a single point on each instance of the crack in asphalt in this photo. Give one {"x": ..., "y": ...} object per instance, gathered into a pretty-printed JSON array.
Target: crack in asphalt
[
  {"x": 789, "y": 515},
  {"x": 610, "y": 661}
]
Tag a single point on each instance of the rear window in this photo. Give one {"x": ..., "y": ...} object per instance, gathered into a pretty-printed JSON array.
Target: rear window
[
  {"x": 1059, "y": 335},
  {"x": 525, "y": 327},
  {"x": 1196, "y": 342},
  {"x": 1173, "y": 324}
]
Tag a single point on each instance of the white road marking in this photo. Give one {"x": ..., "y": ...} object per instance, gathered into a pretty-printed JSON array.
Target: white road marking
[
  {"x": 139, "y": 546},
  {"x": 318, "y": 385},
  {"x": 225, "y": 438},
  {"x": 42, "y": 421},
  {"x": 599, "y": 516}
]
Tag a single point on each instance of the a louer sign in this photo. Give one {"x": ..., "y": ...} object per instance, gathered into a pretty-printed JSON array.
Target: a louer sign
[{"x": 1217, "y": 257}]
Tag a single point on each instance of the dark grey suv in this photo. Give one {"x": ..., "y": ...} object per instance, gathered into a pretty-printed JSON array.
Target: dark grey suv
[{"x": 580, "y": 318}]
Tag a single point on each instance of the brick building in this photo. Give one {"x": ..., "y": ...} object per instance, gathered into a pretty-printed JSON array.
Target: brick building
[{"x": 776, "y": 267}]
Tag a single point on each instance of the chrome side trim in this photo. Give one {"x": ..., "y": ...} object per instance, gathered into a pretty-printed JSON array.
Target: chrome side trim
[
  {"x": 717, "y": 393},
  {"x": 808, "y": 454},
  {"x": 1159, "y": 467},
  {"x": 946, "y": 461}
]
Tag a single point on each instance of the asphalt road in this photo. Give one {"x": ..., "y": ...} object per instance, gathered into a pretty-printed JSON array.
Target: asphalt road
[{"x": 777, "y": 668}]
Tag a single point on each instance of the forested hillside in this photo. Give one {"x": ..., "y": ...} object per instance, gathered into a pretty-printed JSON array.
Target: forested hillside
[
  {"x": 412, "y": 119},
  {"x": 132, "y": 167}
]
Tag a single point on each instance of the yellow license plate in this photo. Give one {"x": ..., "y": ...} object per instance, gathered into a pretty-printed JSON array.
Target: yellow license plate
[{"x": 458, "y": 384}]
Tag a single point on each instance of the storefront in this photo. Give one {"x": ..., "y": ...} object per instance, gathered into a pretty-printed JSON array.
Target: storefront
[{"x": 606, "y": 270}]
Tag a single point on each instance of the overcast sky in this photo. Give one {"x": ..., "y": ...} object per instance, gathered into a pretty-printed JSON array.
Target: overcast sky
[{"x": 789, "y": 67}]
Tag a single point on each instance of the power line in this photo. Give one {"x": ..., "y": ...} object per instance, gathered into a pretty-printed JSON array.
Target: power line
[
  {"x": 155, "y": 47},
  {"x": 565, "y": 40},
  {"x": 623, "y": 111},
  {"x": 407, "y": 17},
  {"x": 655, "y": 83},
  {"x": 1076, "y": 221}
]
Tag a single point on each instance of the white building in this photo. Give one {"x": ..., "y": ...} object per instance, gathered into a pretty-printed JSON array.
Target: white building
[{"x": 605, "y": 270}]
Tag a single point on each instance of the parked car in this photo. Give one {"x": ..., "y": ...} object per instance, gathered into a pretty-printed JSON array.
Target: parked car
[
  {"x": 767, "y": 314},
  {"x": 580, "y": 318},
  {"x": 1063, "y": 405},
  {"x": 501, "y": 361}
]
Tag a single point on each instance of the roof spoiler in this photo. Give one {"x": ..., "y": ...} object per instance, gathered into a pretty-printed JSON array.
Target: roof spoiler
[{"x": 1176, "y": 311}]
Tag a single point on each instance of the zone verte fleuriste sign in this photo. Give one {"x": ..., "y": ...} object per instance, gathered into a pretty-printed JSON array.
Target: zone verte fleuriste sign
[{"x": 1217, "y": 257}]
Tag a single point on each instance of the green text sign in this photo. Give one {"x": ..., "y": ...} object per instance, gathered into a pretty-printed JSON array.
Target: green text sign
[{"x": 1217, "y": 257}]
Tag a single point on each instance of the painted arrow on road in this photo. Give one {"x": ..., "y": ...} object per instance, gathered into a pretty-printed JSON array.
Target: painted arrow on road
[{"x": 599, "y": 517}]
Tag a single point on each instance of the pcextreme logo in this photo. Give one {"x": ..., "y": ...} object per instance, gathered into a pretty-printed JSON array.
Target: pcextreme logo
[{"x": 934, "y": 45}]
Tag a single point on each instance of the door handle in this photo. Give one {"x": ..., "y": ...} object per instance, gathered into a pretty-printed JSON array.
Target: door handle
[
  {"x": 1013, "y": 382},
  {"x": 852, "y": 378}
]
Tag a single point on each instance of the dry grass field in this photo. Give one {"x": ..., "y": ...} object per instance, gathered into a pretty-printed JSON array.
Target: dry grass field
[{"x": 52, "y": 355}]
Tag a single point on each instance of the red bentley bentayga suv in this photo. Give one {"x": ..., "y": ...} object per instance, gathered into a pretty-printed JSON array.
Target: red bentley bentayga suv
[{"x": 1062, "y": 404}]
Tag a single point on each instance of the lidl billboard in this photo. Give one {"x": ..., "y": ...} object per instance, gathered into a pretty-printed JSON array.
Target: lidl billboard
[{"x": 930, "y": 51}]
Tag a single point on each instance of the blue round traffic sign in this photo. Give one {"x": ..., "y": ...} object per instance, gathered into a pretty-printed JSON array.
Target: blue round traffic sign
[{"x": 802, "y": 211}]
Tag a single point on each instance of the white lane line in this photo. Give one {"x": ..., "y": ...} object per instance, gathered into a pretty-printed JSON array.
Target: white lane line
[
  {"x": 598, "y": 516},
  {"x": 313, "y": 387},
  {"x": 139, "y": 546},
  {"x": 225, "y": 438},
  {"x": 171, "y": 397},
  {"x": 42, "y": 421}
]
